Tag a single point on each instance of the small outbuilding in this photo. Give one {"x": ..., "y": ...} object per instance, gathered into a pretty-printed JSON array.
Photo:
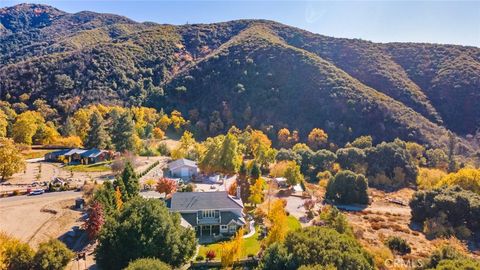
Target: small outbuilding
[{"x": 183, "y": 168}]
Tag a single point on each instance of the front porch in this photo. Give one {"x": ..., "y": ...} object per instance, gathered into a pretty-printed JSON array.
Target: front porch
[{"x": 207, "y": 230}]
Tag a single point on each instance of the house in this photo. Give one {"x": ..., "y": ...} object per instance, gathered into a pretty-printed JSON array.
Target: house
[
  {"x": 183, "y": 168},
  {"x": 55, "y": 155},
  {"x": 209, "y": 213},
  {"x": 79, "y": 156}
]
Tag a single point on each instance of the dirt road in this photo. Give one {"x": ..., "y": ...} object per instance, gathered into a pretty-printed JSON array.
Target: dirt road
[{"x": 35, "y": 219}]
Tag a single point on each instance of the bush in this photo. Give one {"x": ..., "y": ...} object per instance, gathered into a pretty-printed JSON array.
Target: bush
[
  {"x": 398, "y": 245},
  {"x": 211, "y": 255},
  {"x": 199, "y": 258},
  {"x": 148, "y": 264},
  {"x": 14, "y": 254},
  {"x": 52, "y": 255}
]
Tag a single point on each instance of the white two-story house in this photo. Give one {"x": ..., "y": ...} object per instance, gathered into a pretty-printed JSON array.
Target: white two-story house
[{"x": 209, "y": 213}]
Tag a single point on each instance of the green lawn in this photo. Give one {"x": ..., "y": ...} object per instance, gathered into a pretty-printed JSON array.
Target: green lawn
[
  {"x": 251, "y": 244},
  {"x": 97, "y": 167}
]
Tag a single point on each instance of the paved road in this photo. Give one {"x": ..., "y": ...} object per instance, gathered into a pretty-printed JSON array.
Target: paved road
[{"x": 56, "y": 195}]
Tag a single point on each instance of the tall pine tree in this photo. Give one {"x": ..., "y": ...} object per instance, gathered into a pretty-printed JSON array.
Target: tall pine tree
[
  {"x": 122, "y": 133},
  {"x": 98, "y": 136},
  {"x": 128, "y": 183}
]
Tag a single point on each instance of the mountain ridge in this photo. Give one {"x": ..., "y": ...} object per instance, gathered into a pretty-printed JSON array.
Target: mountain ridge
[{"x": 109, "y": 57}]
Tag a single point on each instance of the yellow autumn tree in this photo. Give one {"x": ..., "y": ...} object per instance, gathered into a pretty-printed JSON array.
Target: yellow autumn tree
[
  {"x": 118, "y": 198},
  {"x": 429, "y": 178},
  {"x": 3, "y": 124},
  {"x": 256, "y": 192},
  {"x": 158, "y": 133},
  {"x": 11, "y": 161},
  {"x": 81, "y": 121},
  {"x": 25, "y": 126},
  {"x": 466, "y": 178},
  {"x": 187, "y": 143},
  {"x": 177, "y": 120},
  {"x": 277, "y": 218},
  {"x": 232, "y": 250},
  {"x": 164, "y": 122}
]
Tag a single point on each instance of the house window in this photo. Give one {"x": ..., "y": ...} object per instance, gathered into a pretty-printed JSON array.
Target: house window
[
  {"x": 224, "y": 227},
  {"x": 208, "y": 213}
]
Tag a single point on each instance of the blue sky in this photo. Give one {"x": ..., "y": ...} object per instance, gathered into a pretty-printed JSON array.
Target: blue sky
[{"x": 451, "y": 22}]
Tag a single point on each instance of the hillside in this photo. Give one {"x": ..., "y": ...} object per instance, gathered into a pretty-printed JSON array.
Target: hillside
[{"x": 247, "y": 72}]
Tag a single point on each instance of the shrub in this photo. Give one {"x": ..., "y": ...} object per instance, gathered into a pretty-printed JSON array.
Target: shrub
[
  {"x": 211, "y": 255},
  {"x": 52, "y": 255},
  {"x": 199, "y": 258},
  {"x": 398, "y": 245},
  {"x": 147, "y": 264}
]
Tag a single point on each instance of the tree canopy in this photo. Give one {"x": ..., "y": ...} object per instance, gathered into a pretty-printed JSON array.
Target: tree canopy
[{"x": 144, "y": 228}]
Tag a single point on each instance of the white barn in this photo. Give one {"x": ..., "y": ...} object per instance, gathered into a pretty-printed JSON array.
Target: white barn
[{"x": 183, "y": 168}]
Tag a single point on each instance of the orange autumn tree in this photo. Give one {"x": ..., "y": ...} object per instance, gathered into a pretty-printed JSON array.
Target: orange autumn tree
[
  {"x": 232, "y": 189},
  {"x": 167, "y": 186}
]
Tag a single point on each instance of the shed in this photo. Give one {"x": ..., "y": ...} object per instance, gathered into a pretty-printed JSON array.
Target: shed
[{"x": 183, "y": 168}]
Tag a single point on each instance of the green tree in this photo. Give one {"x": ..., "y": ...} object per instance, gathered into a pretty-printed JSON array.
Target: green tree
[
  {"x": 106, "y": 196},
  {"x": 317, "y": 246},
  {"x": 128, "y": 183},
  {"x": 347, "y": 187},
  {"x": 361, "y": 142},
  {"x": 98, "y": 136},
  {"x": 52, "y": 255},
  {"x": 147, "y": 264},
  {"x": 352, "y": 159},
  {"x": 230, "y": 158},
  {"x": 293, "y": 174},
  {"x": 11, "y": 160},
  {"x": 452, "y": 144},
  {"x": 122, "y": 133},
  {"x": 255, "y": 172},
  {"x": 68, "y": 128},
  {"x": 144, "y": 228},
  {"x": 384, "y": 158}
]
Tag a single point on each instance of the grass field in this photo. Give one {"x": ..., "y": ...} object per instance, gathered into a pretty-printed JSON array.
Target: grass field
[
  {"x": 35, "y": 153},
  {"x": 97, "y": 167},
  {"x": 251, "y": 244}
]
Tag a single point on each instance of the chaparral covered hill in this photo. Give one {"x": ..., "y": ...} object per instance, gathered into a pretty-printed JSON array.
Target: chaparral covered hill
[{"x": 247, "y": 72}]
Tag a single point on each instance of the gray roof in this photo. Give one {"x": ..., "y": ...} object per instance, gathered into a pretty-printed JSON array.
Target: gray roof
[
  {"x": 181, "y": 162},
  {"x": 75, "y": 151},
  {"x": 92, "y": 153},
  {"x": 228, "y": 216},
  {"x": 191, "y": 218},
  {"x": 192, "y": 201}
]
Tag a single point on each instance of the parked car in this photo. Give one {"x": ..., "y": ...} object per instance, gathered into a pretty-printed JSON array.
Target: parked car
[{"x": 37, "y": 192}]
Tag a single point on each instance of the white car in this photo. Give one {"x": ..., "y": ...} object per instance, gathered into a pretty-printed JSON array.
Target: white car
[{"x": 37, "y": 192}]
